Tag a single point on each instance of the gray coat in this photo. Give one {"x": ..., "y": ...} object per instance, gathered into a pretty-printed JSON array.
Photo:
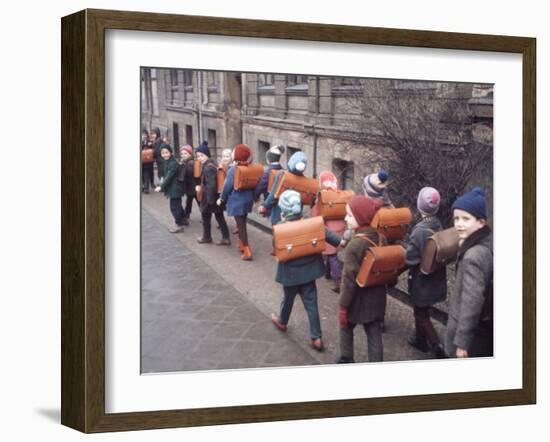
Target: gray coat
[
  {"x": 425, "y": 290},
  {"x": 364, "y": 304},
  {"x": 474, "y": 273}
]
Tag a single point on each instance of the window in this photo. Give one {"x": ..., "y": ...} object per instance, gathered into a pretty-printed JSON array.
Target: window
[
  {"x": 172, "y": 88},
  {"x": 154, "y": 92},
  {"x": 187, "y": 78},
  {"x": 144, "y": 95},
  {"x": 344, "y": 171},
  {"x": 293, "y": 80},
  {"x": 212, "y": 79},
  {"x": 189, "y": 134},
  {"x": 265, "y": 80},
  {"x": 263, "y": 147},
  {"x": 212, "y": 142}
]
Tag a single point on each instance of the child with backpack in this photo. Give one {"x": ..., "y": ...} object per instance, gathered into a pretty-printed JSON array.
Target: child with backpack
[
  {"x": 360, "y": 305},
  {"x": 469, "y": 331},
  {"x": 187, "y": 180},
  {"x": 171, "y": 187},
  {"x": 374, "y": 186},
  {"x": 425, "y": 290},
  {"x": 273, "y": 158},
  {"x": 333, "y": 265},
  {"x": 239, "y": 202},
  {"x": 298, "y": 275}
]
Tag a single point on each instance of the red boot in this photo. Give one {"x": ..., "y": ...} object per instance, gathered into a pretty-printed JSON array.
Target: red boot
[{"x": 247, "y": 254}]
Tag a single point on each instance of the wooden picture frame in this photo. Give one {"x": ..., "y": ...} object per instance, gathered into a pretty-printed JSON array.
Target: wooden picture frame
[{"x": 83, "y": 219}]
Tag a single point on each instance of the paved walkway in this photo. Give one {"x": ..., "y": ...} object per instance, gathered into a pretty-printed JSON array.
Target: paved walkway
[{"x": 203, "y": 308}]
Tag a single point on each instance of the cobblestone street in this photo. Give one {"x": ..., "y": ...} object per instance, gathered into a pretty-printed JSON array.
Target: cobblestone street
[{"x": 203, "y": 308}]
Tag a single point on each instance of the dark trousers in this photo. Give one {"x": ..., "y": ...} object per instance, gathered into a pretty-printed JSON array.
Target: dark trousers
[
  {"x": 189, "y": 205},
  {"x": 308, "y": 294},
  {"x": 424, "y": 326},
  {"x": 207, "y": 224},
  {"x": 177, "y": 210},
  {"x": 241, "y": 227},
  {"x": 374, "y": 341},
  {"x": 147, "y": 177}
]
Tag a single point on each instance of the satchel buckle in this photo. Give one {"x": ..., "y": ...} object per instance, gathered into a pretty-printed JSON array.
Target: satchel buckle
[
  {"x": 289, "y": 247},
  {"x": 314, "y": 242}
]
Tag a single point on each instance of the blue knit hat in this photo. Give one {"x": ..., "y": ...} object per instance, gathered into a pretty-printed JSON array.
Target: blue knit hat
[
  {"x": 297, "y": 163},
  {"x": 472, "y": 202},
  {"x": 203, "y": 148},
  {"x": 375, "y": 184},
  {"x": 290, "y": 203}
]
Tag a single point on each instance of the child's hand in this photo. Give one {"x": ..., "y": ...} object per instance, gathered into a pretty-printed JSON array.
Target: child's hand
[
  {"x": 262, "y": 210},
  {"x": 219, "y": 202},
  {"x": 157, "y": 189},
  {"x": 197, "y": 189}
]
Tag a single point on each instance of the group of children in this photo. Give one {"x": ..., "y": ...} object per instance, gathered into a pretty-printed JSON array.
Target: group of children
[{"x": 469, "y": 330}]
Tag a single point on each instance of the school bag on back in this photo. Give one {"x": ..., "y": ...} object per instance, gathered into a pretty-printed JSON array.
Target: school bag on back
[
  {"x": 381, "y": 265},
  {"x": 247, "y": 177},
  {"x": 440, "y": 249},
  {"x": 147, "y": 156},
  {"x": 392, "y": 223},
  {"x": 295, "y": 239},
  {"x": 222, "y": 174},
  {"x": 332, "y": 203},
  {"x": 306, "y": 187}
]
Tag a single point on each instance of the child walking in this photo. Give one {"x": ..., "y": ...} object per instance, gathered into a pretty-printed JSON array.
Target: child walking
[
  {"x": 273, "y": 158},
  {"x": 469, "y": 331},
  {"x": 425, "y": 290},
  {"x": 298, "y": 276},
  {"x": 333, "y": 266},
  {"x": 187, "y": 180},
  {"x": 238, "y": 202},
  {"x": 208, "y": 206},
  {"x": 171, "y": 187},
  {"x": 360, "y": 305}
]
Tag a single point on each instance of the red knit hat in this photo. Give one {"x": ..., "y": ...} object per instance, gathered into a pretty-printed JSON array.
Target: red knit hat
[
  {"x": 328, "y": 180},
  {"x": 363, "y": 209},
  {"x": 187, "y": 148},
  {"x": 241, "y": 152}
]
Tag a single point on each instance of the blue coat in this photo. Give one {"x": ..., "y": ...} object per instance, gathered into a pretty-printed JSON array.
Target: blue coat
[
  {"x": 271, "y": 203},
  {"x": 261, "y": 188},
  {"x": 238, "y": 202}
]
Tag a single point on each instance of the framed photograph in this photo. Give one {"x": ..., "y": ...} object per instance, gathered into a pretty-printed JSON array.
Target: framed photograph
[{"x": 175, "y": 311}]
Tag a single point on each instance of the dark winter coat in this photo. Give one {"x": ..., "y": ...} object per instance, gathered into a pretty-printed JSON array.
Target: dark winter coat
[
  {"x": 425, "y": 290},
  {"x": 171, "y": 187},
  {"x": 271, "y": 203},
  {"x": 364, "y": 304},
  {"x": 474, "y": 274},
  {"x": 187, "y": 179},
  {"x": 306, "y": 269},
  {"x": 238, "y": 202},
  {"x": 261, "y": 188},
  {"x": 209, "y": 182},
  {"x": 158, "y": 158}
]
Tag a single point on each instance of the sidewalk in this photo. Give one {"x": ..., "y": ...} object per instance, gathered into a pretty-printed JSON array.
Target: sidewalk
[{"x": 204, "y": 308}]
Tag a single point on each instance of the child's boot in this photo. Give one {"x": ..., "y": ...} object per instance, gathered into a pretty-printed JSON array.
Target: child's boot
[{"x": 247, "y": 253}]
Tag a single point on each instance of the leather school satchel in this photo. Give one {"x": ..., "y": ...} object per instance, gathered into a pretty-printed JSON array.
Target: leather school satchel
[
  {"x": 197, "y": 169},
  {"x": 147, "y": 156},
  {"x": 271, "y": 178},
  {"x": 222, "y": 174},
  {"x": 392, "y": 223},
  {"x": 247, "y": 177},
  {"x": 332, "y": 203},
  {"x": 381, "y": 264},
  {"x": 295, "y": 239},
  {"x": 306, "y": 187},
  {"x": 440, "y": 249}
]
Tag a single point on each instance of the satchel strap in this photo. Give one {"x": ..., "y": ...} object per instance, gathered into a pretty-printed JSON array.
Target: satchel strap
[{"x": 365, "y": 237}]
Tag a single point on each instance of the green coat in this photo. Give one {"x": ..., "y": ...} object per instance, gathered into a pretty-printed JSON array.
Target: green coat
[{"x": 171, "y": 187}]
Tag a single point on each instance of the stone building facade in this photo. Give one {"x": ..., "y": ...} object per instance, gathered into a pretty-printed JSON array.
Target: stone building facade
[{"x": 310, "y": 113}]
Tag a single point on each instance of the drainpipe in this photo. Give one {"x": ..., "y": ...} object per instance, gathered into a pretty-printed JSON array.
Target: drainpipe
[{"x": 199, "y": 99}]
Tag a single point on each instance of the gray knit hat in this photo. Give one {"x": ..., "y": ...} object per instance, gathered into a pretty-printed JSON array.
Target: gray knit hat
[{"x": 428, "y": 201}]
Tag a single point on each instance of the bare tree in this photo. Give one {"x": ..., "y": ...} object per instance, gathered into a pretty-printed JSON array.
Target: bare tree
[{"x": 424, "y": 136}]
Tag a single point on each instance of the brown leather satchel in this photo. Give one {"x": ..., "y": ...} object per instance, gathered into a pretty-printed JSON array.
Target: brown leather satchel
[
  {"x": 440, "y": 249},
  {"x": 147, "y": 156},
  {"x": 306, "y": 187},
  {"x": 381, "y": 264},
  {"x": 197, "y": 169},
  {"x": 295, "y": 239},
  {"x": 392, "y": 223},
  {"x": 222, "y": 174},
  {"x": 247, "y": 177},
  {"x": 332, "y": 203}
]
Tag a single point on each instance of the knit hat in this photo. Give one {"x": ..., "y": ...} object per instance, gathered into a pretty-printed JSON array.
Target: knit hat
[
  {"x": 187, "y": 148},
  {"x": 472, "y": 202},
  {"x": 428, "y": 201},
  {"x": 375, "y": 183},
  {"x": 290, "y": 203},
  {"x": 363, "y": 208},
  {"x": 241, "y": 152},
  {"x": 203, "y": 148},
  {"x": 328, "y": 181},
  {"x": 166, "y": 146},
  {"x": 297, "y": 163},
  {"x": 273, "y": 155}
]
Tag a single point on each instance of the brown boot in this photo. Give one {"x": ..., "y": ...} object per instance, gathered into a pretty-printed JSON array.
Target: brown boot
[
  {"x": 247, "y": 254},
  {"x": 240, "y": 246}
]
